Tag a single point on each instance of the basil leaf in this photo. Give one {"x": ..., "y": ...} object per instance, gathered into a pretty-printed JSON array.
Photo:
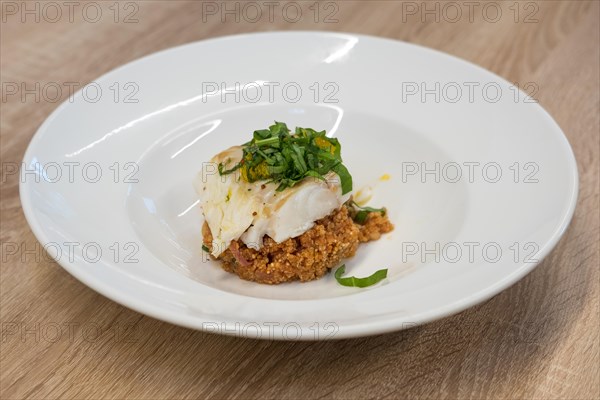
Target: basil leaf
[
  {"x": 352, "y": 281},
  {"x": 345, "y": 177},
  {"x": 222, "y": 171},
  {"x": 363, "y": 213},
  {"x": 262, "y": 134},
  {"x": 370, "y": 209},
  {"x": 314, "y": 175},
  {"x": 206, "y": 249},
  {"x": 361, "y": 216}
]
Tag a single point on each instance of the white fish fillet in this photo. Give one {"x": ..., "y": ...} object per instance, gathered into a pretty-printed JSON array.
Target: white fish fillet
[{"x": 234, "y": 208}]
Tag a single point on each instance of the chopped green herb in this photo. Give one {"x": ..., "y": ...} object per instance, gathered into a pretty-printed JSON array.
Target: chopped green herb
[
  {"x": 363, "y": 212},
  {"x": 222, "y": 171},
  {"x": 359, "y": 282},
  {"x": 206, "y": 249},
  {"x": 277, "y": 156}
]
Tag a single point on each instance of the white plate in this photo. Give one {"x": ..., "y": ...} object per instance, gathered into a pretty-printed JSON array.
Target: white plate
[{"x": 379, "y": 97}]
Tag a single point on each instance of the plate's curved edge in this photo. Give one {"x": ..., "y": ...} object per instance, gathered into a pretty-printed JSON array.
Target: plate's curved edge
[{"x": 347, "y": 331}]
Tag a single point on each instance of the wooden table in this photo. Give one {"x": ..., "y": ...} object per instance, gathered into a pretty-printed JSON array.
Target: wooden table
[{"x": 538, "y": 339}]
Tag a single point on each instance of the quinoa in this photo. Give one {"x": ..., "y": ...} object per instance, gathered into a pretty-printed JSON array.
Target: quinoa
[
  {"x": 305, "y": 257},
  {"x": 375, "y": 225}
]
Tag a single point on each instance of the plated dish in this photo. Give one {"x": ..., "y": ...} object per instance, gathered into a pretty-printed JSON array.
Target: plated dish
[
  {"x": 478, "y": 191},
  {"x": 279, "y": 207}
]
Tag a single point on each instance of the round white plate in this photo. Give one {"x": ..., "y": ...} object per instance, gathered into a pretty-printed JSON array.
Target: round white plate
[{"x": 482, "y": 182}]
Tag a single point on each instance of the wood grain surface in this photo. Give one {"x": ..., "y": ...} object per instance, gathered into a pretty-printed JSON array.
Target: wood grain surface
[{"x": 538, "y": 339}]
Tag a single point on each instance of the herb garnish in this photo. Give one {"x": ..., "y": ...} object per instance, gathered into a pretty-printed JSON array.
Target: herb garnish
[
  {"x": 206, "y": 249},
  {"x": 359, "y": 282},
  {"x": 361, "y": 215},
  {"x": 278, "y": 156}
]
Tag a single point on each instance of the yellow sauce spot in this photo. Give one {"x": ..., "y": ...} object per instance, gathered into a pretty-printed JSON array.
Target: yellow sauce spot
[
  {"x": 363, "y": 196},
  {"x": 384, "y": 177},
  {"x": 256, "y": 173},
  {"x": 325, "y": 145}
]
